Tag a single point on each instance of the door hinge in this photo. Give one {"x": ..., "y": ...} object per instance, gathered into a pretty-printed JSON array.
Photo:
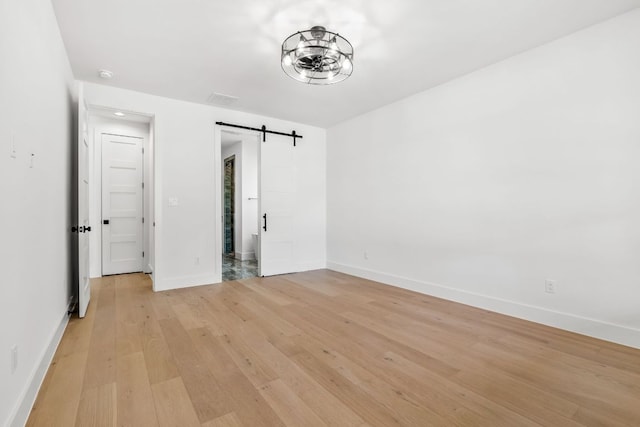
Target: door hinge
[
  {"x": 142, "y": 150},
  {"x": 143, "y": 220},
  {"x": 143, "y": 185},
  {"x": 142, "y": 254}
]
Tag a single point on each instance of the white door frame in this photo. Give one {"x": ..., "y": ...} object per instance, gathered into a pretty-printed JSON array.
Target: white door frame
[
  {"x": 151, "y": 208},
  {"x": 219, "y": 184}
]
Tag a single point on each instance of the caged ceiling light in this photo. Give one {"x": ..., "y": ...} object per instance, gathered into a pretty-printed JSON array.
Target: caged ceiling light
[{"x": 317, "y": 56}]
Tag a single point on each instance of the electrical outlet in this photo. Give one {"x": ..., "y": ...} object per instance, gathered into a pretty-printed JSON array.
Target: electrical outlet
[
  {"x": 14, "y": 359},
  {"x": 550, "y": 286}
]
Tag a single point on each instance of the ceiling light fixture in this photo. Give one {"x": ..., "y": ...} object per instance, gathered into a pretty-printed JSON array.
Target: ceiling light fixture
[
  {"x": 119, "y": 114},
  {"x": 317, "y": 56}
]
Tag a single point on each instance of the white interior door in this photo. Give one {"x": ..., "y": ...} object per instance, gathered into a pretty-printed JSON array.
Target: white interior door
[
  {"x": 122, "y": 201},
  {"x": 84, "y": 289},
  {"x": 277, "y": 197}
]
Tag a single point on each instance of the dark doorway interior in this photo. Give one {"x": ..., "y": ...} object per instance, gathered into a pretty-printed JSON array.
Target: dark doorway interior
[{"x": 229, "y": 204}]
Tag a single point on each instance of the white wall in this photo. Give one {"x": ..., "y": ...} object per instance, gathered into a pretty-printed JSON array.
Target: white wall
[
  {"x": 482, "y": 188},
  {"x": 36, "y": 105},
  {"x": 97, "y": 126},
  {"x": 187, "y": 167}
]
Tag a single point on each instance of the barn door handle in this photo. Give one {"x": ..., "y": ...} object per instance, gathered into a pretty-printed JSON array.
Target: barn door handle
[
  {"x": 264, "y": 227},
  {"x": 85, "y": 229},
  {"x": 105, "y": 221}
]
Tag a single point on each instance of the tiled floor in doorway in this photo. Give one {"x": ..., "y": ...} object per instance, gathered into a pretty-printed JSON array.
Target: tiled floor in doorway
[{"x": 234, "y": 269}]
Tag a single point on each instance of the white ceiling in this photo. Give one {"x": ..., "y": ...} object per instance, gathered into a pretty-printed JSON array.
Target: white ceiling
[{"x": 188, "y": 49}]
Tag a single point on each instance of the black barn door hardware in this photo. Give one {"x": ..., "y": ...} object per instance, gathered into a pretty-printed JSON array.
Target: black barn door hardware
[
  {"x": 264, "y": 227},
  {"x": 264, "y": 131}
]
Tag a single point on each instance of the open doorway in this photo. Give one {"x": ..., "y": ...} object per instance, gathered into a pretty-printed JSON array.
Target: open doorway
[
  {"x": 240, "y": 254},
  {"x": 121, "y": 193}
]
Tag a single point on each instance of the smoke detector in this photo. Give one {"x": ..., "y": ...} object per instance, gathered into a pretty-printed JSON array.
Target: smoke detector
[{"x": 105, "y": 74}]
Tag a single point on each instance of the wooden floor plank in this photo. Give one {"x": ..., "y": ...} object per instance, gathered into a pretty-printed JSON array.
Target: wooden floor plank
[
  {"x": 173, "y": 405},
  {"x": 60, "y": 402},
  {"x": 324, "y": 348},
  {"x": 135, "y": 401},
  {"x": 241, "y": 396},
  {"x": 98, "y": 406},
  {"x": 289, "y": 407},
  {"x": 208, "y": 399},
  {"x": 101, "y": 362},
  {"x": 228, "y": 420}
]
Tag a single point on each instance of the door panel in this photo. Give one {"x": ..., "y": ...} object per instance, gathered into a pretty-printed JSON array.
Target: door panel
[
  {"x": 84, "y": 288},
  {"x": 122, "y": 228},
  {"x": 277, "y": 197}
]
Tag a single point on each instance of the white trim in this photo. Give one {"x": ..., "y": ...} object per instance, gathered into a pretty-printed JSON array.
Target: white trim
[
  {"x": 20, "y": 414},
  {"x": 592, "y": 327},
  {"x": 217, "y": 184},
  {"x": 243, "y": 256},
  {"x": 185, "y": 282},
  {"x": 311, "y": 265}
]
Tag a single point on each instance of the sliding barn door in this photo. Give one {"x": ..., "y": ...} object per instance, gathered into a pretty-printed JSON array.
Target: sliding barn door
[{"x": 277, "y": 197}]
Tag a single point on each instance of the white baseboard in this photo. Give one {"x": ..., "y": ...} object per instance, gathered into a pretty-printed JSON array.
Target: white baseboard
[
  {"x": 312, "y": 265},
  {"x": 184, "y": 282},
  {"x": 21, "y": 413},
  {"x": 591, "y": 327},
  {"x": 243, "y": 256}
]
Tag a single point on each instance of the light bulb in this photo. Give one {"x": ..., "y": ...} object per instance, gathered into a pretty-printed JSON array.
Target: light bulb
[
  {"x": 303, "y": 74},
  {"x": 286, "y": 60},
  {"x": 330, "y": 76},
  {"x": 346, "y": 64}
]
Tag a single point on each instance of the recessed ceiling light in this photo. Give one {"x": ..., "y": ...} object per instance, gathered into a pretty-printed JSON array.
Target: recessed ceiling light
[
  {"x": 105, "y": 74},
  {"x": 119, "y": 114}
]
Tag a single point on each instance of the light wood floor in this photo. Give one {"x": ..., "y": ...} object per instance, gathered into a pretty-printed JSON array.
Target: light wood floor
[{"x": 322, "y": 348}]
